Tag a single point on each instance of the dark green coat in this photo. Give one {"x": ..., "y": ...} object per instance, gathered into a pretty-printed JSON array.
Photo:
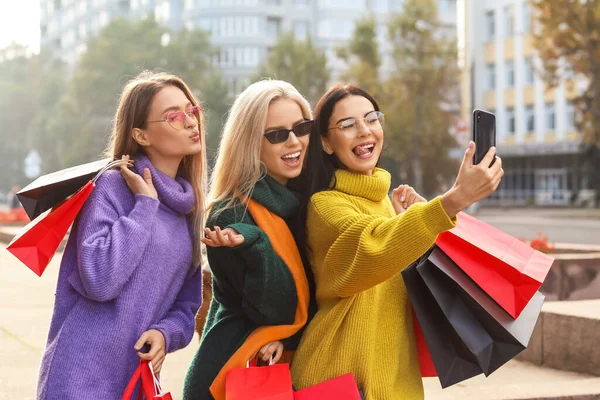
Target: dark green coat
[{"x": 252, "y": 287}]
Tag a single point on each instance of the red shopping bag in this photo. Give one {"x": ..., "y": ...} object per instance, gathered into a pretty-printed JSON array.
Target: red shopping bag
[
  {"x": 150, "y": 385},
  {"x": 37, "y": 242},
  {"x": 342, "y": 387},
  {"x": 425, "y": 361},
  {"x": 273, "y": 382},
  {"x": 507, "y": 269}
]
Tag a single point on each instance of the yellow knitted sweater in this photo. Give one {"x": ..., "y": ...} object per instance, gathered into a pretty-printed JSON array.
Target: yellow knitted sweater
[{"x": 358, "y": 248}]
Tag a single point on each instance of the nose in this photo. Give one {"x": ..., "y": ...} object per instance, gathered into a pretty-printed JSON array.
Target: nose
[
  {"x": 362, "y": 128},
  {"x": 291, "y": 140},
  {"x": 190, "y": 122}
]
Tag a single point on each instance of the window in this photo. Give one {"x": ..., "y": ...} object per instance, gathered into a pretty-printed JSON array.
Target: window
[
  {"x": 301, "y": 30},
  {"x": 571, "y": 115},
  {"x": 550, "y": 117},
  {"x": 381, "y": 5},
  {"x": 490, "y": 76},
  {"x": 490, "y": 24},
  {"x": 509, "y": 28},
  {"x": 526, "y": 17},
  {"x": 273, "y": 2},
  {"x": 529, "y": 72},
  {"x": 510, "y": 121},
  {"x": 301, "y": 2},
  {"x": 273, "y": 26},
  {"x": 529, "y": 119},
  {"x": 509, "y": 68}
]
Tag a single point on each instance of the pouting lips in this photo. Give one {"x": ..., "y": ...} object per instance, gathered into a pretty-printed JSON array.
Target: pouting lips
[{"x": 364, "y": 149}]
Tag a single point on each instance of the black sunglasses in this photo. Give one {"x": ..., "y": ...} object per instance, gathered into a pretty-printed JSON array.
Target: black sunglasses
[{"x": 281, "y": 135}]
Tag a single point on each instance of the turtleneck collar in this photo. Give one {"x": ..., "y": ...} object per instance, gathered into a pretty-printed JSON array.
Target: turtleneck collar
[
  {"x": 374, "y": 187},
  {"x": 276, "y": 197},
  {"x": 177, "y": 194}
]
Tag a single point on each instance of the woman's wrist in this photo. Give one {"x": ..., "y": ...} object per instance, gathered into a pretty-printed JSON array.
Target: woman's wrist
[{"x": 453, "y": 202}]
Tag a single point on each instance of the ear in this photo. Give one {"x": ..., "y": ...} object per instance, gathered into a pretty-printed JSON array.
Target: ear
[
  {"x": 326, "y": 146},
  {"x": 140, "y": 137}
]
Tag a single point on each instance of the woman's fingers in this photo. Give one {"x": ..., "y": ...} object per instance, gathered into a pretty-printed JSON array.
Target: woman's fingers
[
  {"x": 278, "y": 353},
  {"x": 212, "y": 235},
  {"x": 223, "y": 240},
  {"x": 157, "y": 363}
]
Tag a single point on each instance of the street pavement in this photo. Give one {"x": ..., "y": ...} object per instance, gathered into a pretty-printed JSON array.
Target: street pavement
[
  {"x": 561, "y": 226},
  {"x": 26, "y": 307}
]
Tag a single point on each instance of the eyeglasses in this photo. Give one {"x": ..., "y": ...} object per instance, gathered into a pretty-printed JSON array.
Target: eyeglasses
[
  {"x": 281, "y": 135},
  {"x": 176, "y": 119},
  {"x": 374, "y": 121}
]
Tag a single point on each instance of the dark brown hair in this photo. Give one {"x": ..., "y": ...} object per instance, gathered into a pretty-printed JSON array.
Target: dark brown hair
[{"x": 319, "y": 168}]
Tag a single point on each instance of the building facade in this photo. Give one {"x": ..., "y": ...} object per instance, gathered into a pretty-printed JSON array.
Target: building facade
[
  {"x": 536, "y": 134},
  {"x": 244, "y": 30}
]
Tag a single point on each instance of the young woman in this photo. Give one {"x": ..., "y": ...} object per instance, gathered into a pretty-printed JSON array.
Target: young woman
[
  {"x": 359, "y": 243},
  {"x": 130, "y": 275},
  {"x": 260, "y": 289}
]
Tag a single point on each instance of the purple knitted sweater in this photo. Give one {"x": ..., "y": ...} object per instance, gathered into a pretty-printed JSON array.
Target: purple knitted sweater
[{"x": 127, "y": 268}]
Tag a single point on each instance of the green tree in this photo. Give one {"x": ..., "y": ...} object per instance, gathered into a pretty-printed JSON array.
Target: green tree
[
  {"x": 29, "y": 87},
  {"x": 362, "y": 57},
  {"x": 418, "y": 91},
  {"x": 568, "y": 32},
  {"x": 83, "y": 117},
  {"x": 300, "y": 63}
]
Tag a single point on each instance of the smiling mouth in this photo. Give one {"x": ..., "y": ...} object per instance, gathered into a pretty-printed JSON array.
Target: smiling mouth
[
  {"x": 364, "y": 150},
  {"x": 292, "y": 159}
]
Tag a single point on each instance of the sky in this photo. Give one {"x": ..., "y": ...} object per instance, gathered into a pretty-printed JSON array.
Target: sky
[{"x": 20, "y": 21}]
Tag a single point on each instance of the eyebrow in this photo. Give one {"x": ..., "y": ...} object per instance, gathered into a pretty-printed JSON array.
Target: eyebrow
[
  {"x": 347, "y": 118},
  {"x": 176, "y": 108},
  {"x": 274, "y": 128}
]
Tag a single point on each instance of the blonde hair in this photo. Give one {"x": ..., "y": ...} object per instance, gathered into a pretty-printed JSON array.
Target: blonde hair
[
  {"x": 133, "y": 111},
  {"x": 238, "y": 165}
]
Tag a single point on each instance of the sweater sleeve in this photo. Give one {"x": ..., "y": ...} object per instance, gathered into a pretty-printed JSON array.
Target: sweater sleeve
[
  {"x": 110, "y": 246},
  {"x": 253, "y": 270},
  {"x": 268, "y": 290},
  {"x": 178, "y": 325},
  {"x": 369, "y": 249}
]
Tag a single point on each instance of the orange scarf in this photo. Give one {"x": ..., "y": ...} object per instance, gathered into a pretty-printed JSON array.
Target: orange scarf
[{"x": 285, "y": 246}]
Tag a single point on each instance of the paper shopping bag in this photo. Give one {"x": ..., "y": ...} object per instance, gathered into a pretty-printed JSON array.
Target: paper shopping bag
[
  {"x": 342, "y": 387},
  {"x": 37, "y": 242},
  {"x": 507, "y": 269},
  {"x": 273, "y": 382},
  {"x": 47, "y": 191},
  {"x": 492, "y": 335}
]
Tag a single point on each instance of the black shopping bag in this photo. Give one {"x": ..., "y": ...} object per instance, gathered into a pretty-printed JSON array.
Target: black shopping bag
[
  {"x": 485, "y": 327},
  {"x": 50, "y": 190},
  {"x": 462, "y": 324},
  {"x": 454, "y": 362}
]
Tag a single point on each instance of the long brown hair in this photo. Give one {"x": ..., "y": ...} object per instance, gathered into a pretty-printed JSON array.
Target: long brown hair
[{"x": 133, "y": 111}]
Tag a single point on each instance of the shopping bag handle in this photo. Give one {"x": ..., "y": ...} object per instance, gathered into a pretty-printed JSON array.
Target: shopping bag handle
[
  {"x": 157, "y": 387},
  {"x": 271, "y": 362},
  {"x": 130, "y": 388},
  {"x": 108, "y": 166}
]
